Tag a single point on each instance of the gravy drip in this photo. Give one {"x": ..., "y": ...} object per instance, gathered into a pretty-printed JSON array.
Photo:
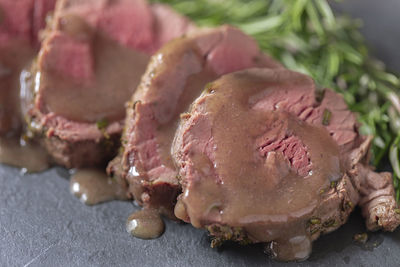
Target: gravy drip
[
  {"x": 117, "y": 72},
  {"x": 238, "y": 187},
  {"x": 29, "y": 156},
  {"x": 145, "y": 224},
  {"x": 93, "y": 186}
]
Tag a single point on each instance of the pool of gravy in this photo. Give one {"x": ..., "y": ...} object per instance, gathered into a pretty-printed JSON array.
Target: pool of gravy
[{"x": 93, "y": 186}]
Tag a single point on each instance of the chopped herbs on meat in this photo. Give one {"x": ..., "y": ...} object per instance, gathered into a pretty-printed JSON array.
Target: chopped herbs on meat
[
  {"x": 102, "y": 124},
  {"x": 326, "y": 117},
  {"x": 315, "y": 221}
]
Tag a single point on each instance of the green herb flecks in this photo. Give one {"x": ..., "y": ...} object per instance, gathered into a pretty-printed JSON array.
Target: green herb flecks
[
  {"x": 306, "y": 36},
  {"x": 315, "y": 221},
  {"x": 326, "y": 117},
  {"x": 102, "y": 124}
]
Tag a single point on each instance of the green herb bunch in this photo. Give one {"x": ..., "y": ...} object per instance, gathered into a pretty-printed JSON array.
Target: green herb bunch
[{"x": 306, "y": 36}]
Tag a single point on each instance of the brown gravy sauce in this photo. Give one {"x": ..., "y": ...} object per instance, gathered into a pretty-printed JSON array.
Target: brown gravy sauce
[
  {"x": 247, "y": 194},
  {"x": 15, "y": 151},
  {"x": 29, "y": 156},
  {"x": 145, "y": 224},
  {"x": 117, "y": 72},
  {"x": 93, "y": 186}
]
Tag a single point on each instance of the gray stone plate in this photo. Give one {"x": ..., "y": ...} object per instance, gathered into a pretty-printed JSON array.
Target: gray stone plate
[{"x": 42, "y": 225}]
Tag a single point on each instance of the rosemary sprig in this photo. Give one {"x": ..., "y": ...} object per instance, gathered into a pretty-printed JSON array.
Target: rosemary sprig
[{"x": 306, "y": 36}]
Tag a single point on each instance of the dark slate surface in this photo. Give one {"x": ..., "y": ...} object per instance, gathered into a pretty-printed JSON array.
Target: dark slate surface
[
  {"x": 42, "y": 225},
  {"x": 381, "y": 26}
]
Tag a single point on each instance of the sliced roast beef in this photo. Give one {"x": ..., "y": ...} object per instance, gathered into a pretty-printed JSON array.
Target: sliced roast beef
[
  {"x": 90, "y": 63},
  {"x": 260, "y": 160},
  {"x": 15, "y": 21},
  {"x": 176, "y": 75},
  {"x": 20, "y": 22}
]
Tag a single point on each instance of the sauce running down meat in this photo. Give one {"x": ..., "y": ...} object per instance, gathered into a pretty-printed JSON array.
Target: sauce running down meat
[
  {"x": 14, "y": 151},
  {"x": 94, "y": 96},
  {"x": 227, "y": 182},
  {"x": 90, "y": 63},
  {"x": 251, "y": 163},
  {"x": 27, "y": 155}
]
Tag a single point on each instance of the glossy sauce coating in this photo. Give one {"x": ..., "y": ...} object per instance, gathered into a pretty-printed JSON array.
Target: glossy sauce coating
[
  {"x": 29, "y": 156},
  {"x": 235, "y": 186},
  {"x": 14, "y": 151},
  {"x": 117, "y": 72}
]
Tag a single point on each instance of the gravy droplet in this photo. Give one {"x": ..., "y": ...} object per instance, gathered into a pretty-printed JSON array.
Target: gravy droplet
[
  {"x": 31, "y": 157},
  {"x": 93, "y": 186},
  {"x": 180, "y": 211},
  {"x": 145, "y": 224}
]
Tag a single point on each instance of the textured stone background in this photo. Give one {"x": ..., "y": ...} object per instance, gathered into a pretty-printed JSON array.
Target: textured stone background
[{"x": 42, "y": 225}]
